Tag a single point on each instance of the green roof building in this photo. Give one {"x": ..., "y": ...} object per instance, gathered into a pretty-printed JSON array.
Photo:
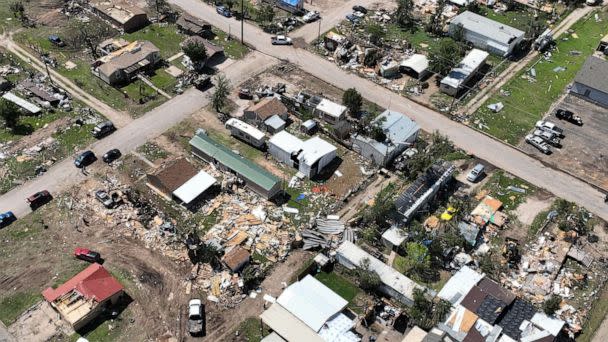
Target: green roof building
[{"x": 256, "y": 178}]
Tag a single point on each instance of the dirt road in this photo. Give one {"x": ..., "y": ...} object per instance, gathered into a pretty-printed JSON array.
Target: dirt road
[
  {"x": 63, "y": 174},
  {"x": 503, "y": 156}
]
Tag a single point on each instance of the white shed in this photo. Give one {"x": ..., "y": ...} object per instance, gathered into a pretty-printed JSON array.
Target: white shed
[
  {"x": 315, "y": 156},
  {"x": 330, "y": 111},
  {"x": 285, "y": 147},
  {"x": 416, "y": 66}
]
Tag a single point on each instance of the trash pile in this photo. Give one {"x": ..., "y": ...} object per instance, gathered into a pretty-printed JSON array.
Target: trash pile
[
  {"x": 327, "y": 233},
  {"x": 222, "y": 287}
]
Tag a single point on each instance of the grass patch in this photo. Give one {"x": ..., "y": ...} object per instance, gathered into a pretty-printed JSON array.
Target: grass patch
[
  {"x": 420, "y": 39},
  {"x": 498, "y": 185},
  {"x": 244, "y": 149},
  {"x": 14, "y": 304},
  {"x": 152, "y": 151},
  {"x": 399, "y": 264},
  {"x": 166, "y": 37},
  {"x": 232, "y": 47},
  {"x": 596, "y": 316},
  {"x": 110, "y": 330},
  {"x": 537, "y": 223},
  {"x": 521, "y": 18},
  {"x": 528, "y": 100},
  {"x": 340, "y": 285},
  {"x": 251, "y": 330}
]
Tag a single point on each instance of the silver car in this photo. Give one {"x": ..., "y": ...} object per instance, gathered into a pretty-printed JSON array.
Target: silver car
[{"x": 475, "y": 173}]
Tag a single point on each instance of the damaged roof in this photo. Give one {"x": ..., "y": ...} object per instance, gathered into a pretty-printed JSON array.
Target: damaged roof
[
  {"x": 176, "y": 174},
  {"x": 236, "y": 258},
  {"x": 516, "y": 314},
  {"x": 95, "y": 282},
  {"x": 268, "y": 107}
]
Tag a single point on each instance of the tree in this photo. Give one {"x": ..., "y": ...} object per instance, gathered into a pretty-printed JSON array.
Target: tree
[
  {"x": 88, "y": 34},
  {"x": 10, "y": 113},
  {"x": 434, "y": 25},
  {"x": 160, "y": 6},
  {"x": 383, "y": 205},
  {"x": 229, "y": 4},
  {"x": 417, "y": 261},
  {"x": 266, "y": 14},
  {"x": 220, "y": 96},
  {"x": 369, "y": 280},
  {"x": 404, "y": 15},
  {"x": 372, "y": 57},
  {"x": 445, "y": 55},
  {"x": 352, "y": 100},
  {"x": 551, "y": 305},
  {"x": 196, "y": 51},
  {"x": 458, "y": 33},
  {"x": 376, "y": 33},
  {"x": 425, "y": 313},
  {"x": 17, "y": 9},
  {"x": 251, "y": 275}
]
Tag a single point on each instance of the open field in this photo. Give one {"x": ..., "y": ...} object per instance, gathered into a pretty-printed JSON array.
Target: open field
[{"x": 530, "y": 98}]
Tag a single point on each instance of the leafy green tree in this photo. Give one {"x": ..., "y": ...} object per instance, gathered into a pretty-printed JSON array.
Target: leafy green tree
[
  {"x": 425, "y": 313},
  {"x": 10, "y": 113},
  {"x": 445, "y": 55},
  {"x": 252, "y": 276},
  {"x": 404, "y": 16},
  {"x": 266, "y": 14},
  {"x": 381, "y": 209},
  {"x": 369, "y": 280},
  {"x": 222, "y": 90},
  {"x": 551, "y": 305},
  {"x": 195, "y": 50},
  {"x": 229, "y": 4},
  {"x": 159, "y": 6},
  {"x": 352, "y": 100},
  {"x": 417, "y": 260}
]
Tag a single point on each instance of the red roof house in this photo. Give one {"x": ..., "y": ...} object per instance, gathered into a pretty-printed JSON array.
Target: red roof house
[{"x": 80, "y": 299}]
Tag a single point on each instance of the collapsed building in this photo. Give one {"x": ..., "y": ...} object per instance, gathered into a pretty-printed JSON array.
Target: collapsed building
[
  {"x": 193, "y": 26},
  {"x": 254, "y": 176},
  {"x": 310, "y": 157},
  {"x": 399, "y": 132}
]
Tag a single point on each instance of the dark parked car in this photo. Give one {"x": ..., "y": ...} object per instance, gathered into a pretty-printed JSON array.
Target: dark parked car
[
  {"x": 223, "y": 11},
  {"x": 39, "y": 199},
  {"x": 87, "y": 255},
  {"x": 56, "y": 40},
  {"x": 111, "y": 155},
  {"x": 86, "y": 158},
  {"x": 353, "y": 18},
  {"x": 103, "y": 129},
  {"x": 358, "y": 8},
  {"x": 569, "y": 116},
  {"x": 7, "y": 218}
]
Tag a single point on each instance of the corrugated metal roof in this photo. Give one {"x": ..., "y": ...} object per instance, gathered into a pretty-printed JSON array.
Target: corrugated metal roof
[
  {"x": 311, "y": 302},
  {"x": 397, "y": 127},
  {"x": 286, "y": 142},
  {"x": 30, "y": 107},
  {"x": 416, "y": 62},
  {"x": 287, "y": 325},
  {"x": 245, "y": 167},
  {"x": 389, "y": 276},
  {"x": 275, "y": 122},
  {"x": 487, "y": 27},
  {"x": 194, "y": 187}
]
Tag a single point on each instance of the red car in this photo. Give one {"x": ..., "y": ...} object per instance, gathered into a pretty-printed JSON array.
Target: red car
[
  {"x": 87, "y": 255},
  {"x": 39, "y": 199}
]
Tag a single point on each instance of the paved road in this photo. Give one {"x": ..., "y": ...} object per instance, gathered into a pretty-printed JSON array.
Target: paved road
[
  {"x": 495, "y": 152},
  {"x": 63, "y": 174}
]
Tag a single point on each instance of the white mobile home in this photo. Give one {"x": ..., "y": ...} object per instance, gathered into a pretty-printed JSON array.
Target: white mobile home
[
  {"x": 246, "y": 132},
  {"x": 463, "y": 72}
]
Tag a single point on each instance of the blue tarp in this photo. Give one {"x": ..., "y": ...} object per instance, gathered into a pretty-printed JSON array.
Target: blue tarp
[{"x": 294, "y": 3}]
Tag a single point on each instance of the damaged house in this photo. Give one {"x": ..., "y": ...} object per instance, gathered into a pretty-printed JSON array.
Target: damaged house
[
  {"x": 398, "y": 133},
  {"x": 486, "y": 34},
  {"x": 458, "y": 77},
  {"x": 270, "y": 114},
  {"x": 82, "y": 298},
  {"x": 121, "y": 66},
  {"x": 310, "y": 157},
  {"x": 254, "y": 176},
  {"x": 193, "y": 26},
  {"x": 179, "y": 180},
  {"x": 120, "y": 14}
]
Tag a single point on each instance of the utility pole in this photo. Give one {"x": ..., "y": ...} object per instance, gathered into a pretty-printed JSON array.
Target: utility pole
[
  {"x": 319, "y": 36},
  {"x": 48, "y": 73},
  {"x": 242, "y": 19}
]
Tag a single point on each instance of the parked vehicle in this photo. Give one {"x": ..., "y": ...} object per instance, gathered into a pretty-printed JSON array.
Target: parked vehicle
[
  {"x": 86, "y": 158},
  {"x": 569, "y": 116},
  {"x": 39, "y": 199},
  {"x": 103, "y": 129},
  {"x": 195, "y": 317},
  {"x": 56, "y": 40},
  {"x": 245, "y": 94},
  {"x": 223, "y": 10},
  {"x": 353, "y": 18},
  {"x": 549, "y": 137},
  {"x": 111, "y": 155},
  {"x": 539, "y": 143},
  {"x": 87, "y": 255},
  {"x": 7, "y": 218},
  {"x": 476, "y": 173},
  {"x": 280, "y": 40},
  {"x": 311, "y": 16},
  {"x": 550, "y": 127},
  {"x": 359, "y": 8},
  {"x": 103, "y": 197}
]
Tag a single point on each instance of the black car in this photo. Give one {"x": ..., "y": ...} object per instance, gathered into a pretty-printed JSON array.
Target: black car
[
  {"x": 103, "y": 129},
  {"x": 361, "y": 9},
  {"x": 39, "y": 199},
  {"x": 111, "y": 155},
  {"x": 7, "y": 218},
  {"x": 86, "y": 158}
]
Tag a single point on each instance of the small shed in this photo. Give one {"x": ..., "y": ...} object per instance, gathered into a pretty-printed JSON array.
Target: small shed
[
  {"x": 274, "y": 124},
  {"x": 415, "y": 66},
  {"x": 236, "y": 258},
  {"x": 285, "y": 147},
  {"x": 393, "y": 237},
  {"x": 309, "y": 127},
  {"x": 330, "y": 111}
]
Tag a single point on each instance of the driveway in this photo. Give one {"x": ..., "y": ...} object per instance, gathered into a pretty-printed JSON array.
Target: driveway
[
  {"x": 501, "y": 155},
  {"x": 64, "y": 174}
]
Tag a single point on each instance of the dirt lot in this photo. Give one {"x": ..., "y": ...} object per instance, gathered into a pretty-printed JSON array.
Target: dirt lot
[{"x": 583, "y": 152}]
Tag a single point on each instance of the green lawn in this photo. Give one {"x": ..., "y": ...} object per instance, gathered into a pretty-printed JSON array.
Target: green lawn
[
  {"x": 340, "y": 285},
  {"x": 251, "y": 330},
  {"x": 152, "y": 151},
  {"x": 521, "y": 18},
  {"x": 14, "y": 304},
  {"x": 233, "y": 47},
  {"x": 530, "y": 100},
  {"x": 165, "y": 36},
  {"x": 497, "y": 186}
]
